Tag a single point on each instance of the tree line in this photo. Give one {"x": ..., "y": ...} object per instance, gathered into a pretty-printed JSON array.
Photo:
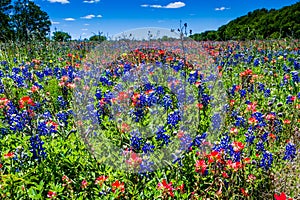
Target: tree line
[
  {"x": 23, "y": 20},
  {"x": 258, "y": 24}
]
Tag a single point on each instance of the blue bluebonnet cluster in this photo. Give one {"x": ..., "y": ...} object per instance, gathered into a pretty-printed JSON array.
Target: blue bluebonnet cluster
[
  {"x": 37, "y": 150},
  {"x": 290, "y": 152}
]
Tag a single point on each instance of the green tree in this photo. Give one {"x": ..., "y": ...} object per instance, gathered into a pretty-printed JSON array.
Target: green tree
[
  {"x": 5, "y": 29},
  {"x": 29, "y": 21},
  {"x": 61, "y": 36},
  {"x": 97, "y": 38}
]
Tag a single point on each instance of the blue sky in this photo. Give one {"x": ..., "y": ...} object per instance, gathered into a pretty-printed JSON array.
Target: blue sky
[{"x": 84, "y": 18}]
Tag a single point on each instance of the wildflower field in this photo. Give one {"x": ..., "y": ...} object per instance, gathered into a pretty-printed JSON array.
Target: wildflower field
[{"x": 150, "y": 120}]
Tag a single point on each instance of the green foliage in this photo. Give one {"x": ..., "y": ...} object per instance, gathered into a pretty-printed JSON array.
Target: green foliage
[
  {"x": 60, "y": 36},
  {"x": 5, "y": 8},
  {"x": 23, "y": 20},
  {"x": 258, "y": 24},
  {"x": 97, "y": 38}
]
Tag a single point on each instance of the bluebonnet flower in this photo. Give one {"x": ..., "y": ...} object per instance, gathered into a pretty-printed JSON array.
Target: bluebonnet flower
[
  {"x": 264, "y": 137},
  {"x": 296, "y": 65},
  {"x": 236, "y": 156},
  {"x": 261, "y": 87},
  {"x": 62, "y": 102},
  {"x": 290, "y": 152},
  {"x": 63, "y": 117},
  {"x": 161, "y": 136},
  {"x": 232, "y": 91},
  {"x": 223, "y": 145},
  {"x": 16, "y": 122},
  {"x": 137, "y": 114},
  {"x": 295, "y": 76},
  {"x": 173, "y": 118},
  {"x": 216, "y": 121},
  {"x": 240, "y": 121},
  {"x": 193, "y": 76},
  {"x": 148, "y": 86},
  {"x": 277, "y": 126},
  {"x": 148, "y": 148},
  {"x": 256, "y": 62},
  {"x": 136, "y": 142},
  {"x": 127, "y": 67},
  {"x": 37, "y": 150},
  {"x": 289, "y": 99},
  {"x": 40, "y": 75},
  {"x": 167, "y": 101},
  {"x": 143, "y": 100},
  {"x": 205, "y": 100},
  {"x": 160, "y": 90},
  {"x": 185, "y": 142},
  {"x": 266, "y": 161},
  {"x": 104, "y": 80},
  {"x": 199, "y": 139},
  {"x": 243, "y": 93},
  {"x": 98, "y": 94},
  {"x": 267, "y": 93},
  {"x": 146, "y": 166},
  {"x": 260, "y": 146}
]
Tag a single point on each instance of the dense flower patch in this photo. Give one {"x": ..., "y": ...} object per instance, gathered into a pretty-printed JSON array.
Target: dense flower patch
[{"x": 146, "y": 122}]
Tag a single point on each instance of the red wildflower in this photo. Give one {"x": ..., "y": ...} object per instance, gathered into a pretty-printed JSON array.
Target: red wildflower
[
  {"x": 252, "y": 107},
  {"x": 26, "y": 100},
  {"x": 100, "y": 180},
  {"x": 180, "y": 134},
  {"x": 181, "y": 188},
  {"x": 52, "y": 123},
  {"x": 84, "y": 184},
  {"x": 3, "y": 102},
  {"x": 200, "y": 106},
  {"x": 270, "y": 117},
  {"x": 251, "y": 178},
  {"x": 34, "y": 89},
  {"x": 286, "y": 121},
  {"x": 232, "y": 101},
  {"x": 234, "y": 130},
  {"x": 201, "y": 166},
  {"x": 282, "y": 196},
  {"x": 214, "y": 156},
  {"x": 225, "y": 175},
  {"x": 244, "y": 192},
  {"x": 252, "y": 120},
  {"x": 272, "y": 136},
  {"x": 247, "y": 160},
  {"x": 9, "y": 155},
  {"x": 167, "y": 187},
  {"x": 51, "y": 194},
  {"x": 134, "y": 160},
  {"x": 125, "y": 127},
  {"x": 238, "y": 146},
  {"x": 66, "y": 179},
  {"x": 234, "y": 165},
  {"x": 118, "y": 185}
]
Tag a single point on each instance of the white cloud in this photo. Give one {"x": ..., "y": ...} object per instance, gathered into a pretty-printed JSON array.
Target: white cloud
[
  {"x": 91, "y": 1},
  {"x": 52, "y": 22},
  {"x": 221, "y": 8},
  {"x": 177, "y": 4},
  {"x": 86, "y": 24},
  {"x": 69, "y": 19},
  {"x": 99, "y": 16},
  {"x": 84, "y": 29},
  {"x": 59, "y": 1},
  {"x": 88, "y": 17}
]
